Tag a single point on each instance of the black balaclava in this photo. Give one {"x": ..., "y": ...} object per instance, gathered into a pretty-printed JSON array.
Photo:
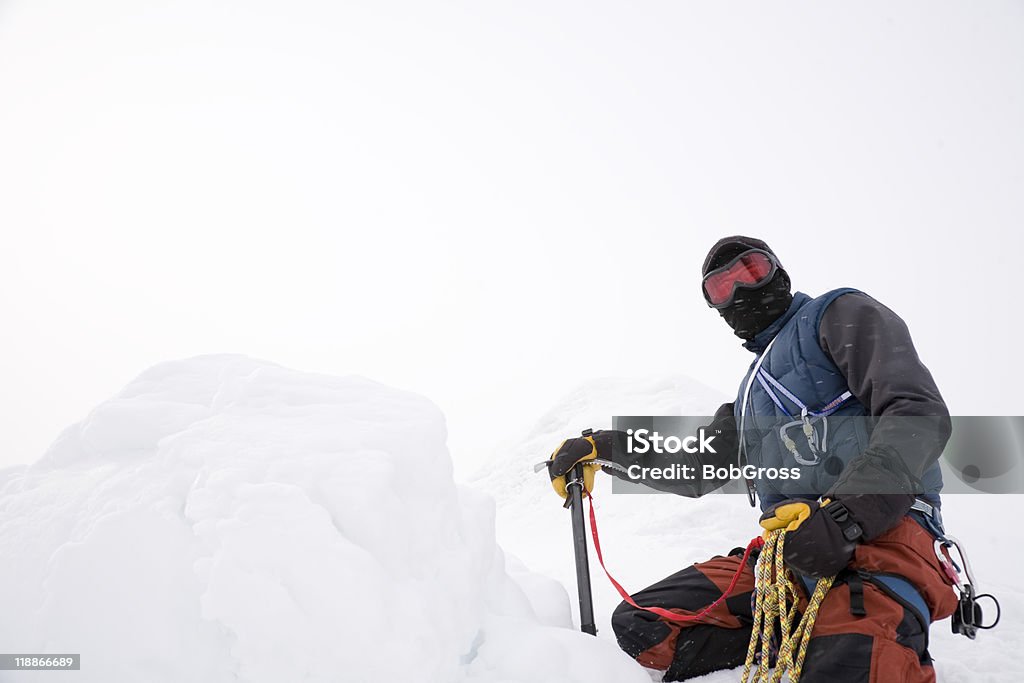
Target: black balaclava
[{"x": 752, "y": 310}]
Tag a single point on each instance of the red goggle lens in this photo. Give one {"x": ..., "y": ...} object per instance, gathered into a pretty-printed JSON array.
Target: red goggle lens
[{"x": 749, "y": 269}]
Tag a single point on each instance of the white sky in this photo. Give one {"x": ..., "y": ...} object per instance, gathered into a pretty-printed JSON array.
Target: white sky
[{"x": 487, "y": 202}]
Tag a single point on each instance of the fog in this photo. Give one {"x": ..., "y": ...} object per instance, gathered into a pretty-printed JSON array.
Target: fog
[{"x": 489, "y": 203}]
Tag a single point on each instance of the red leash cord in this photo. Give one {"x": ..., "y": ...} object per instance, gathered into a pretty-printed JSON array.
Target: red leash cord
[{"x": 756, "y": 542}]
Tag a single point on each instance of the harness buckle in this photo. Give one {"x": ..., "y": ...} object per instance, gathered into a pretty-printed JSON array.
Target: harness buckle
[{"x": 838, "y": 512}]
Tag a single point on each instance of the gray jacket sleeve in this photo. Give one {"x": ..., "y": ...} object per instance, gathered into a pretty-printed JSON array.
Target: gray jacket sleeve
[
  {"x": 722, "y": 426},
  {"x": 872, "y": 347}
]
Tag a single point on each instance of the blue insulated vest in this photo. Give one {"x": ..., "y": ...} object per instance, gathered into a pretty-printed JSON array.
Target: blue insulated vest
[{"x": 800, "y": 412}]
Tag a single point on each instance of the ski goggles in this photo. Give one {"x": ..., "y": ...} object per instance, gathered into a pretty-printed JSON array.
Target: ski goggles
[{"x": 751, "y": 269}]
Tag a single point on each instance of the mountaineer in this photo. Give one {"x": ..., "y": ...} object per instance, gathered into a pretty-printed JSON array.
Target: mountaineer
[{"x": 836, "y": 389}]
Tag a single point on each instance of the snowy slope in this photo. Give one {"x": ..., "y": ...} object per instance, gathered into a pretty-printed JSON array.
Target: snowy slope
[
  {"x": 225, "y": 519},
  {"x": 647, "y": 537}
]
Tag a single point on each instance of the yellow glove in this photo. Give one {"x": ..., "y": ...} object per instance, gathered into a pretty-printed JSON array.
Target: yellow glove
[
  {"x": 565, "y": 457},
  {"x": 788, "y": 515}
]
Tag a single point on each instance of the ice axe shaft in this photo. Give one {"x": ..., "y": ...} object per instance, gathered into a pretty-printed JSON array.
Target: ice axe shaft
[{"x": 579, "y": 545}]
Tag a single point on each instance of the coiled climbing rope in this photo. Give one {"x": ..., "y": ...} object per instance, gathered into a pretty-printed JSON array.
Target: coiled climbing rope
[{"x": 776, "y": 602}]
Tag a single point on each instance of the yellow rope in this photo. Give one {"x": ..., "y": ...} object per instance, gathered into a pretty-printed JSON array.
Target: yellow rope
[{"x": 776, "y": 601}]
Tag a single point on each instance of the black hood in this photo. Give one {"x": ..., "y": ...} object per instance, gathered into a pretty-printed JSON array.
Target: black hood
[{"x": 753, "y": 309}]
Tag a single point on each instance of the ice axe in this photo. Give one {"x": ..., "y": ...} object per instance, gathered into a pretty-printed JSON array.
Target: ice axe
[{"x": 574, "y": 502}]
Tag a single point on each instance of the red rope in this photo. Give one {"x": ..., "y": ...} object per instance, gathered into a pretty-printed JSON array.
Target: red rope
[{"x": 756, "y": 542}]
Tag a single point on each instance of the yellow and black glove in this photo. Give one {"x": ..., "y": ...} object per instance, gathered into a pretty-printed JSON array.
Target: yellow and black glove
[
  {"x": 565, "y": 457},
  {"x": 820, "y": 537},
  {"x": 788, "y": 515}
]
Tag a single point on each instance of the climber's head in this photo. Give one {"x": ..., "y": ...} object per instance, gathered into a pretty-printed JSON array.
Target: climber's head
[{"x": 745, "y": 282}]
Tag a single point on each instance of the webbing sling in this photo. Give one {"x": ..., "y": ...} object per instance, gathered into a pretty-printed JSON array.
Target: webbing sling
[
  {"x": 741, "y": 450},
  {"x": 755, "y": 543},
  {"x": 831, "y": 407}
]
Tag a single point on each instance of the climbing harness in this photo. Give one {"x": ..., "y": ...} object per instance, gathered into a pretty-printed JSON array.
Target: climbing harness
[
  {"x": 816, "y": 444},
  {"x": 775, "y": 611}
]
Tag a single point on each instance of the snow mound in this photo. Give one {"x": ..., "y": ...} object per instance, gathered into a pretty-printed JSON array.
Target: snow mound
[{"x": 226, "y": 519}]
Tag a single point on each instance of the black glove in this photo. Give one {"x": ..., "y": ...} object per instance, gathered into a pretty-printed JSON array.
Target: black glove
[{"x": 820, "y": 540}]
